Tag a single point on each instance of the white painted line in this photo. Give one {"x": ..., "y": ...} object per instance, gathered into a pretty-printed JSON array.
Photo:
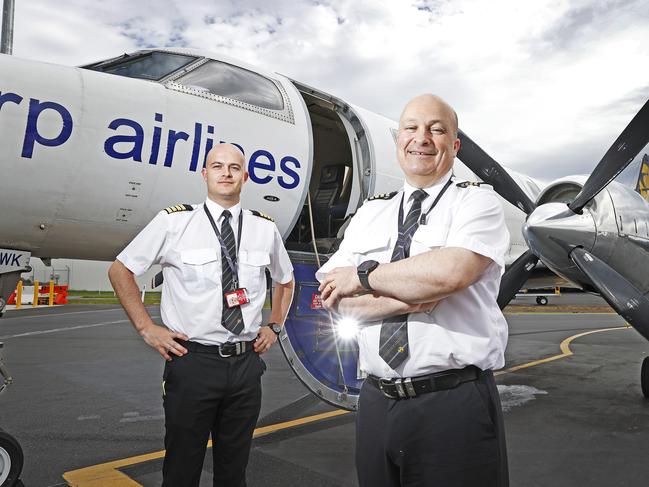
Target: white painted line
[
  {"x": 7, "y": 318},
  {"x": 150, "y": 417},
  {"x": 56, "y": 330}
]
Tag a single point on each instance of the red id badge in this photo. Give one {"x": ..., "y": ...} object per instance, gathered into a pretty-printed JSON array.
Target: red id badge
[{"x": 236, "y": 297}]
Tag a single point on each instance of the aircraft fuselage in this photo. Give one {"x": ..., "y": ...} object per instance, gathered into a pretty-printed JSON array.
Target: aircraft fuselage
[{"x": 88, "y": 157}]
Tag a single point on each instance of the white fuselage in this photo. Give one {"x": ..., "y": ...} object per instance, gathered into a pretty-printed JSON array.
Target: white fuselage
[{"x": 88, "y": 158}]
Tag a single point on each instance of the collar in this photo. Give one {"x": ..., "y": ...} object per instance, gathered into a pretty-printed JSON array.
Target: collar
[
  {"x": 216, "y": 210},
  {"x": 432, "y": 190}
]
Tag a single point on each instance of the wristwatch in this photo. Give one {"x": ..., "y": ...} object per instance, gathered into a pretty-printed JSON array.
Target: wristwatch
[
  {"x": 277, "y": 329},
  {"x": 364, "y": 270}
]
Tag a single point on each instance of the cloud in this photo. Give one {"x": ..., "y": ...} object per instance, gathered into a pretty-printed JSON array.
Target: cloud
[{"x": 544, "y": 86}]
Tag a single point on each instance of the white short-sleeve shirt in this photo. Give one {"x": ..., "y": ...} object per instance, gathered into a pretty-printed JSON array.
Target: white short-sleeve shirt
[
  {"x": 466, "y": 328},
  {"x": 185, "y": 245}
]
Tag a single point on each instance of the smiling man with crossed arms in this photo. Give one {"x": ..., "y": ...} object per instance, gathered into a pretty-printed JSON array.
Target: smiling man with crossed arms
[{"x": 421, "y": 269}]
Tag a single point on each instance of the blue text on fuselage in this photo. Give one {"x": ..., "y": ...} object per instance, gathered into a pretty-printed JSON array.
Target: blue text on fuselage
[{"x": 130, "y": 140}]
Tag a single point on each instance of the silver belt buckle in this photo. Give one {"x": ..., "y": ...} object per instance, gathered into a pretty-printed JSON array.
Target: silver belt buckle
[
  {"x": 382, "y": 384},
  {"x": 224, "y": 355},
  {"x": 239, "y": 348},
  {"x": 403, "y": 387}
]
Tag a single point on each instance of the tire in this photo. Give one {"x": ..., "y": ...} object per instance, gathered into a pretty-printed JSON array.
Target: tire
[
  {"x": 644, "y": 377},
  {"x": 542, "y": 300},
  {"x": 11, "y": 460}
]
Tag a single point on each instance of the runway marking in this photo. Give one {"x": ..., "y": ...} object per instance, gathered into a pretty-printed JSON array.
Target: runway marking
[
  {"x": 107, "y": 473},
  {"x": 565, "y": 350},
  {"x": 119, "y": 308},
  {"x": 90, "y": 416},
  {"x": 136, "y": 419},
  {"x": 56, "y": 330}
]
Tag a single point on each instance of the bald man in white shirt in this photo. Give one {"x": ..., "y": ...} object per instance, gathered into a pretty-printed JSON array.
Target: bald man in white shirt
[{"x": 421, "y": 268}]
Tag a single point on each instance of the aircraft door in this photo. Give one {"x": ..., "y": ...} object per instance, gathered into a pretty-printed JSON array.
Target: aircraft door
[{"x": 349, "y": 144}]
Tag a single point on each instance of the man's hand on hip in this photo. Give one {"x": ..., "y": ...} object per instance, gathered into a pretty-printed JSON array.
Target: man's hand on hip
[
  {"x": 163, "y": 340},
  {"x": 265, "y": 339},
  {"x": 340, "y": 283}
]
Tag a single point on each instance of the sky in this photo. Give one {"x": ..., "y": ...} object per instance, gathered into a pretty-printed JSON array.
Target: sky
[{"x": 545, "y": 86}]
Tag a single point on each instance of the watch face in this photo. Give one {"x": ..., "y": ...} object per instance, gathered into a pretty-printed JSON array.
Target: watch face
[
  {"x": 367, "y": 265},
  {"x": 276, "y": 328}
]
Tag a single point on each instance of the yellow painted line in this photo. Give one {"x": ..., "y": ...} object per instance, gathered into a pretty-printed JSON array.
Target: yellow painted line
[
  {"x": 565, "y": 350},
  {"x": 264, "y": 430},
  {"x": 107, "y": 473}
]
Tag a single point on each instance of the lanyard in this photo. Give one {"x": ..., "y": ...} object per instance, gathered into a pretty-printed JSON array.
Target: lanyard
[
  {"x": 422, "y": 219},
  {"x": 231, "y": 260}
]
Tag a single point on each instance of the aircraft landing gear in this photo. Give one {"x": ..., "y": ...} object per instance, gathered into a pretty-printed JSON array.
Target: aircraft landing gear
[
  {"x": 644, "y": 377},
  {"x": 11, "y": 460},
  {"x": 11, "y": 454}
]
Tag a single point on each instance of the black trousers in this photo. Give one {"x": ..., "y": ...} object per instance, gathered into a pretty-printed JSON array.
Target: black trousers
[
  {"x": 449, "y": 438},
  {"x": 205, "y": 393}
]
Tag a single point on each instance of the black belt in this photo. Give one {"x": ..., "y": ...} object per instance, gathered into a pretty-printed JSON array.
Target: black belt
[
  {"x": 408, "y": 387},
  {"x": 230, "y": 349}
]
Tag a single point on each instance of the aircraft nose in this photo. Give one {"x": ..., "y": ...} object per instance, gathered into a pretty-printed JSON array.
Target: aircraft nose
[{"x": 552, "y": 229}]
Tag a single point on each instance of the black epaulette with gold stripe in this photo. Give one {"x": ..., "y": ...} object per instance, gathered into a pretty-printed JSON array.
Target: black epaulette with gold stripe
[
  {"x": 262, "y": 215},
  {"x": 466, "y": 184},
  {"x": 178, "y": 208},
  {"x": 382, "y": 196}
]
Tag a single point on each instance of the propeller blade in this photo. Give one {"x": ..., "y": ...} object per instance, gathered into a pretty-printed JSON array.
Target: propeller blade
[
  {"x": 630, "y": 142},
  {"x": 623, "y": 296},
  {"x": 515, "y": 277},
  {"x": 493, "y": 173}
]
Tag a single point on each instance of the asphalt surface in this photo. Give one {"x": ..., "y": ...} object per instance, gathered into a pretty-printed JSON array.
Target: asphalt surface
[{"x": 87, "y": 391}]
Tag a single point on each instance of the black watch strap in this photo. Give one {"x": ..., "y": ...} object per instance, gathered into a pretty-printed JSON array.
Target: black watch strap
[
  {"x": 364, "y": 270},
  {"x": 276, "y": 327},
  {"x": 365, "y": 280}
]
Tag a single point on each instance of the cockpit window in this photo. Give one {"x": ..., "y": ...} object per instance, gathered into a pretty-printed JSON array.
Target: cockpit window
[
  {"x": 233, "y": 82},
  {"x": 151, "y": 66}
]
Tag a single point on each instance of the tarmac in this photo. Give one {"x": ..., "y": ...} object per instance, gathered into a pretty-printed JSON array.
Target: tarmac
[{"x": 86, "y": 405}]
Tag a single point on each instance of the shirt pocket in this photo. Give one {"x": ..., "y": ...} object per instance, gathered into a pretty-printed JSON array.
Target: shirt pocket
[
  {"x": 201, "y": 268},
  {"x": 252, "y": 264},
  {"x": 375, "y": 247},
  {"x": 428, "y": 237}
]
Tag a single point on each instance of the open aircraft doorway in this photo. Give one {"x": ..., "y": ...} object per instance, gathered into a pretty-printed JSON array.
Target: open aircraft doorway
[
  {"x": 325, "y": 360},
  {"x": 336, "y": 188}
]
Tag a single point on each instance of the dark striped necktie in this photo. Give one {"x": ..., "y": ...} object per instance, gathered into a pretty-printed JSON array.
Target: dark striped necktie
[
  {"x": 231, "y": 318},
  {"x": 393, "y": 343}
]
